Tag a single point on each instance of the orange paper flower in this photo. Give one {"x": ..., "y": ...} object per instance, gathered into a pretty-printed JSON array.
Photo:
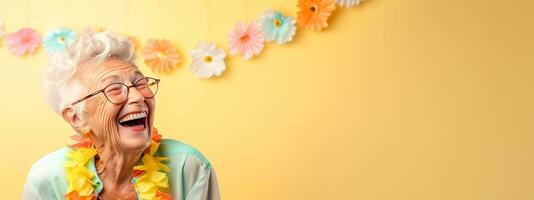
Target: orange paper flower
[
  {"x": 160, "y": 55},
  {"x": 314, "y": 14}
]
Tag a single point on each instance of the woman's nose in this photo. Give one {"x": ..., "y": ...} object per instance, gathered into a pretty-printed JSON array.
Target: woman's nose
[{"x": 135, "y": 96}]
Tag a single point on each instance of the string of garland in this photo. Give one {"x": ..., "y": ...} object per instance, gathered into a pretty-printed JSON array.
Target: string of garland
[
  {"x": 207, "y": 60},
  {"x": 149, "y": 178}
]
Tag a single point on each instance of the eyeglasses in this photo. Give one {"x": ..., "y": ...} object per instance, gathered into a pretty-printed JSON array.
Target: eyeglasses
[{"x": 117, "y": 93}]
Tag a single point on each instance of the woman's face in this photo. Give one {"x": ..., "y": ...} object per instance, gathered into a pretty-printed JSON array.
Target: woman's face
[{"x": 135, "y": 115}]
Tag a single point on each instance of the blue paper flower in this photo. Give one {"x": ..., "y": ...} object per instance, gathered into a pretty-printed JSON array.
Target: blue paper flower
[
  {"x": 56, "y": 39},
  {"x": 277, "y": 27}
]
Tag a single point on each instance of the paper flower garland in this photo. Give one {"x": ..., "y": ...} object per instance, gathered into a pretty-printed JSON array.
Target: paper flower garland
[
  {"x": 314, "y": 14},
  {"x": 277, "y": 27},
  {"x": 55, "y": 40},
  {"x": 207, "y": 60},
  {"x": 246, "y": 39},
  {"x": 26, "y": 40},
  {"x": 348, "y": 3},
  {"x": 160, "y": 55}
]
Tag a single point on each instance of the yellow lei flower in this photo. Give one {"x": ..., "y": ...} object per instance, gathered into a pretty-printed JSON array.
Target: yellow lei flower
[
  {"x": 149, "y": 178},
  {"x": 152, "y": 179},
  {"x": 78, "y": 176}
]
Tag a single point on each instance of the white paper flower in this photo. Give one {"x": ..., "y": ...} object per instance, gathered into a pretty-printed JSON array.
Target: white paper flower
[
  {"x": 207, "y": 60},
  {"x": 348, "y": 3}
]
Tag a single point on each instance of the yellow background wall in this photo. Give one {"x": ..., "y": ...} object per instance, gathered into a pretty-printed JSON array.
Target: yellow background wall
[{"x": 407, "y": 99}]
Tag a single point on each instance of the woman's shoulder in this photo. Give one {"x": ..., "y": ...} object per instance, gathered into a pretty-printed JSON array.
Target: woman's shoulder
[
  {"x": 52, "y": 159},
  {"x": 49, "y": 167},
  {"x": 191, "y": 174},
  {"x": 173, "y": 148}
]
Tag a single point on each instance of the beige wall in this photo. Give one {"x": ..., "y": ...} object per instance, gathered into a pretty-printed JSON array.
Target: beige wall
[{"x": 408, "y": 99}]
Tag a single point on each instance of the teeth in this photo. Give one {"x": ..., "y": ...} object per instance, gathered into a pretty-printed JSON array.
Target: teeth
[{"x": 132, "y": 117}]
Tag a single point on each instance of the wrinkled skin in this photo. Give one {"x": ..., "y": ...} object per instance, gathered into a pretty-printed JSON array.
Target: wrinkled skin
[{"x": 119, "y": 149}]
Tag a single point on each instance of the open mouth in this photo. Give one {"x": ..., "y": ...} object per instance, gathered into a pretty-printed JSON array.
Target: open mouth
[{"x": 134, "y": 121}]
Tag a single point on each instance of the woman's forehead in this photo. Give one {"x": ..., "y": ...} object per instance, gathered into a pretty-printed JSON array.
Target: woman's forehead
[
  {"x": 112, "y": 71},
  {"x": 123, "y": 74}
]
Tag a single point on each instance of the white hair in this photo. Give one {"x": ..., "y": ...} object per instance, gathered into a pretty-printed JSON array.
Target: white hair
[{"x": 60, "y": 89}]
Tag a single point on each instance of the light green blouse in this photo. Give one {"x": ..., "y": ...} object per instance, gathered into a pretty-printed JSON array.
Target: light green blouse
[{"x": 191, "y": 175}]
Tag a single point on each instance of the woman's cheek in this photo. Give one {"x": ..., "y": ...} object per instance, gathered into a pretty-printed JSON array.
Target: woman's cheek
[
  {"x": 152, "y": 108},
  {"x": 104, "y": 119}
]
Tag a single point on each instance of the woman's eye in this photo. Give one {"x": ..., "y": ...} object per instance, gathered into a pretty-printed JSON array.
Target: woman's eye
[
  {"x": 114, "y": 91},
  {"x": 141, "y": 86},
  {"x": 142, "y": 81}
]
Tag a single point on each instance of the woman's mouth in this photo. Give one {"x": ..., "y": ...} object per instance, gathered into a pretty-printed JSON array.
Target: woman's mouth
[{"x": 134, "y": 122}]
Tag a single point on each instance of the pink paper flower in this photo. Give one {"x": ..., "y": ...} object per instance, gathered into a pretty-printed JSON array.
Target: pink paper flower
[
  {"x": 24, "y": 41},
  {"x": 246, "y": 39}
]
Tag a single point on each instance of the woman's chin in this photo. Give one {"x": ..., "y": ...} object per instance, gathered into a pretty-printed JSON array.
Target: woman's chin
[{"x": 134, "y": 137}]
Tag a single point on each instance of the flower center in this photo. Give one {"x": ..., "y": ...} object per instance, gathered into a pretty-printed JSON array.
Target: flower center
[
  {"x": 277, "y": 23},
  {"x": 161, "y": 55},
  {"x": 244, "y": 38},
  {"x": 313, "y": 8},
  {"x": 208, "y": 59},
  {"x": 61, "y": 39},
  {"x": 25, "y": 39}
]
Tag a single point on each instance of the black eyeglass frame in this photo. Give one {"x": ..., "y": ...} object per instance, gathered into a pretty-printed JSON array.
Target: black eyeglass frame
[{"x": 156, "y": 81}]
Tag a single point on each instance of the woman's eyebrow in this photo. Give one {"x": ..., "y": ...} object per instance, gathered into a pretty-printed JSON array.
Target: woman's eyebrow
[{"x": 136, "y": 74}]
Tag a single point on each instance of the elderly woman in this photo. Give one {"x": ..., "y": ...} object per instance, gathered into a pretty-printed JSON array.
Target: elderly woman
[{"x": 99, "y": 91}]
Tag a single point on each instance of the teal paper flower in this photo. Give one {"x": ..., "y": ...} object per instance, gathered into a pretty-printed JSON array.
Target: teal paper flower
[
  {"x": 56, "y": 39},
  {"x": 277, "y": 27}
]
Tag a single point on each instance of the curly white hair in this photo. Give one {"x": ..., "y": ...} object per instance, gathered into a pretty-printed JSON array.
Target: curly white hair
[{"x": 60, "y": 86}]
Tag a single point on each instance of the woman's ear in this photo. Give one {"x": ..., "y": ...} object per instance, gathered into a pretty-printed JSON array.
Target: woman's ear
[{"x": 73, "y": 118}]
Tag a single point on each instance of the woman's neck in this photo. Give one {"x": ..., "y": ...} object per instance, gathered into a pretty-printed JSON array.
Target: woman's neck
[{"x": 114, "y": 166}]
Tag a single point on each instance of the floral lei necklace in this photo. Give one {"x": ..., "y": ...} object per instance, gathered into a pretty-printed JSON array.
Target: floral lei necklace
[{"x": 148, "y": 178}]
